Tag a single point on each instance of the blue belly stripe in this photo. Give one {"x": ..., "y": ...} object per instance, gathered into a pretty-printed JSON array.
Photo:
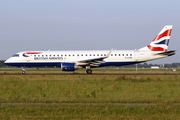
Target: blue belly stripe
[{"x": 59, "y": 64}]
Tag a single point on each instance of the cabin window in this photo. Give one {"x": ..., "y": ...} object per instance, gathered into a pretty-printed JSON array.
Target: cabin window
[
  {"x": 46, "y": 55},
  {"x": 119, "y": 54},
  {"x": 81, "y": 54},
  {"x": 77, "y": 54},
  {"x": 101, "y": 54},
  {"x": 69, "y": 55},
  {"x": 111, "y": 54},
  {"x": 73, "y": 55},
  {"x": 104, "y": 54},
  {"x": 50, "y": 55},
  {"x": 86, "y": 54},
  {"x": 130, "y": 54},
  {"x": 57, "y": 55},
  {"x": 61, "y": 55},
  {"x": 34, "y": 55},
  {"x": 54, "y": 55},
  {"x": 65, "y": 55},
  {"x": 94, "y": 55},
  {"x": 97, "y": 54},
  {"x": 126, "y": 54},
  {"x": 122, "y": 54},
  {"x": 42, "y": 55},
  {"x": 90, "y": 55},
  {"x": 115, "y": 55}
]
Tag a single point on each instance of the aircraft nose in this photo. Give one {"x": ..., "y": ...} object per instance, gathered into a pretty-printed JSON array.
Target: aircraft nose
[{"x": 7, "y": 61}]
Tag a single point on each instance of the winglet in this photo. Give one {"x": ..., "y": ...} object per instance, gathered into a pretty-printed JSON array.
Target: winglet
[{"x": 109, "y": 53}]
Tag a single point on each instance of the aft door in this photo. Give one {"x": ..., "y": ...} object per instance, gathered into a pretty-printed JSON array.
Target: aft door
[{"x": 136, "y": 55}]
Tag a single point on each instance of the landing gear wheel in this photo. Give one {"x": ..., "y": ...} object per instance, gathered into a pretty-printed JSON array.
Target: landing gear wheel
[
  {"x": 89, "y": 71},
  {"x": 23, "y": 72}
]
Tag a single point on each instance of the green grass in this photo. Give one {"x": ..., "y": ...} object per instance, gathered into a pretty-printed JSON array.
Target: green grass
[
  {"x": 100, "y": 112},
  {"x": 162, "y": 90},
  {"x": 90, "y": 89}
]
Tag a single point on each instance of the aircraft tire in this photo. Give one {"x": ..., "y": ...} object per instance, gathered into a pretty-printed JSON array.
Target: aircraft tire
[
  {"x": 23, "y": 72},
  {"x": 89, "y": 71}
]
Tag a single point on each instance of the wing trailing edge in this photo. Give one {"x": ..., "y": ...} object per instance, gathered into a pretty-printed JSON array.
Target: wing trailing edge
[{"x": 95, "y": 61}]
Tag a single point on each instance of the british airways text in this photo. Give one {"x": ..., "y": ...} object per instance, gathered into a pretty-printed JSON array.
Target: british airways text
[{"x": 48, "y": 58}]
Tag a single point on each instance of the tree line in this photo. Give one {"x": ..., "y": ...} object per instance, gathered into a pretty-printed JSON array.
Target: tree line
[{"x": 147, "y": 65}]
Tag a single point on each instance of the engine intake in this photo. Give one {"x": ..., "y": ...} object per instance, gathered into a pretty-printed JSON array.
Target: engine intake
[{"x": 68, "y": 66}]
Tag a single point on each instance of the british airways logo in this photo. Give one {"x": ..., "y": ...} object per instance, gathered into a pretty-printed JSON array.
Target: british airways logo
[
  {"x": 25, "y": 55},
  {"x": 48, "y": 58},
  {"x": 41, "y": 58},
  {"x": 30, "y": 53}
]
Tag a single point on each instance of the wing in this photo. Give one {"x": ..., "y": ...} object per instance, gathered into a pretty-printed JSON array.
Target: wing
[{"x": 94, "y": 61}]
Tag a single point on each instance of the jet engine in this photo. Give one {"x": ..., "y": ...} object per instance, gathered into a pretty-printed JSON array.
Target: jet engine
[{"x": 68, "y": 66}]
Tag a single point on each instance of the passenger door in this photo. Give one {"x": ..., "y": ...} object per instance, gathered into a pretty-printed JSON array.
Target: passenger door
[{"x": 28, "y": 59}]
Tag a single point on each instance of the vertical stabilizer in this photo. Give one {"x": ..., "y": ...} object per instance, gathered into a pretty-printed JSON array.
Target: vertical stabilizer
[{"x": 161, "y": 41}]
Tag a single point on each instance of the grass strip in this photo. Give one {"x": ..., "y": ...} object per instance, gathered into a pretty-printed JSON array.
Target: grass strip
[
  {"x": 90, "y": 89},
  {"x": 100, "y": 112}
]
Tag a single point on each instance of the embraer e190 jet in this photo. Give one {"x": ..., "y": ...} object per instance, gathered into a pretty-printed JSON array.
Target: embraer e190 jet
[{"x": 72, "y": 60}]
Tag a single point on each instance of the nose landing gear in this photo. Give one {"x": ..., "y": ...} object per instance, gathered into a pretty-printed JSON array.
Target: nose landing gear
[{"x": 23, "y": 70}]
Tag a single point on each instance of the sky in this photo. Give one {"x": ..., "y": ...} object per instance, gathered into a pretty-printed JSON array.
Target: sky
[{"x": 30, "y": 25}]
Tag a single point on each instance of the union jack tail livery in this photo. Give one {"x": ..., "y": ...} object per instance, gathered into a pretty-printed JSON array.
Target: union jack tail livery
[{"x": 161, "y": 41}]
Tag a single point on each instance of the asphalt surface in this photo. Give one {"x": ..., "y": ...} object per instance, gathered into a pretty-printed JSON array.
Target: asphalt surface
[
  {"x": 121, "y": 104},
  {"x": 89, "y": 74}
]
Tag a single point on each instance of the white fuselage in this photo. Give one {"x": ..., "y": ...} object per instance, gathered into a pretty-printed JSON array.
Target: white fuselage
[
  {"x": 55, "y": 58},
  {"x": 72, "y": 60}
]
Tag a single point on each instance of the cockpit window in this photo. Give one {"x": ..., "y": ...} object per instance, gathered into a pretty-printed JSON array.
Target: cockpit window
[{"x": 16, "y": 55}]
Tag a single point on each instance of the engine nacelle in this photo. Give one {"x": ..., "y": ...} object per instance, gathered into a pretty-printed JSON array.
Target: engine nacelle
[{"x": 68, "y": 66}]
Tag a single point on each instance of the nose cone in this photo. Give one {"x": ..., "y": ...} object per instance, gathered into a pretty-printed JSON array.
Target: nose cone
[{"x": 7, "y": 62}]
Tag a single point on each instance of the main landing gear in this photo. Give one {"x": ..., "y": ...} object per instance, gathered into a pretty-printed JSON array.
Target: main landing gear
[{"x": 88, "y": 70}]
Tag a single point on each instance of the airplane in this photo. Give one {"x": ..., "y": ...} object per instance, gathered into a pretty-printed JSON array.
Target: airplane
[{"x": 73, "y": 60}]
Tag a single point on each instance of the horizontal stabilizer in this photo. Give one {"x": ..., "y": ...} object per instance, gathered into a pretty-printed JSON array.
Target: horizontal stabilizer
[{"x": 168, "y": 53}]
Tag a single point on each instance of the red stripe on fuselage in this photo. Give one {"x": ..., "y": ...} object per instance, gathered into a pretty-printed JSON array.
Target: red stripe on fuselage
[
  {"x": 164, "y": 34},
  {"x": 156, "y": 48},
  {"x": 33, "y": 53}
]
